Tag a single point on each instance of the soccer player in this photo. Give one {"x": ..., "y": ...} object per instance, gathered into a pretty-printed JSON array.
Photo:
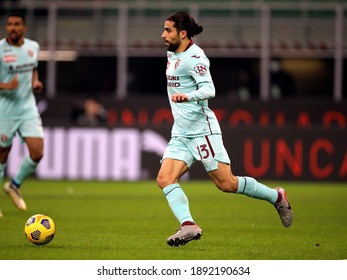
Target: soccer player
[
  {"x": 196, "y": 134},
  {"x": 18, "y": 111}
]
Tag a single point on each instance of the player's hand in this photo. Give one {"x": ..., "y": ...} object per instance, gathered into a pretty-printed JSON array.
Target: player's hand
[
  {"x": 179, "y": 98},
  {"x": 13, "y": 84},
  {"x": 37, "y": 86}
]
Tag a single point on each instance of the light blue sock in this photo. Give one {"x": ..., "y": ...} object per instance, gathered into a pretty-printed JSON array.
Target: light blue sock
[
  {"x": 27, "y": 168},
  {"x": 2, "y": 171},
  {"x": 178, "y": 202},
  {"x": 250, "y": 187}
]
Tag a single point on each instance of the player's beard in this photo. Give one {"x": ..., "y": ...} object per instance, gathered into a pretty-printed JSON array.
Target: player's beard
[
  {"x": 14, "y": 37},
  {"x": 172, "y": 47}
]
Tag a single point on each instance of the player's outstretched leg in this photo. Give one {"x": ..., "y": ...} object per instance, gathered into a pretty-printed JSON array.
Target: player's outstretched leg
[
  {"x": 189, "y": 231},
  {"x": 283, "y": 207},
  {"x": 14, "y": 193},
  {"x": 252, "y": 188}
]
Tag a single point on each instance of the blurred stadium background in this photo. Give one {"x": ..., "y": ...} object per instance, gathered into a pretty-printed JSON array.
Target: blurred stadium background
[{"x": 279, "y": 68}]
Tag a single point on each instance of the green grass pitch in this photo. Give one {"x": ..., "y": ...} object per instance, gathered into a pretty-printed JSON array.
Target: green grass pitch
[{"x": 131, "y": 221}]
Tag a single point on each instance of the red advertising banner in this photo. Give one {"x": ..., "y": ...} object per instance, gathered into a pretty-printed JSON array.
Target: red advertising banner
[
  {"x": 283, "y": 140},
  {"x": 134, "y": 154}
]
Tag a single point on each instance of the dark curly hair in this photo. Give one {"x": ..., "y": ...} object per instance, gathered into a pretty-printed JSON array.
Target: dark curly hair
[{"x": 16, "y": 13}]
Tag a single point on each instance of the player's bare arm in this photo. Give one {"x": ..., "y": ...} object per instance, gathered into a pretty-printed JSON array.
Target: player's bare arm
[{"x": 37, "y": 84}]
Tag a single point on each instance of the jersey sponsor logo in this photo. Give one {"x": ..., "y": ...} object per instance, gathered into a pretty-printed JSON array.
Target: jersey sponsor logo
[
  {"x": 200, "y": 69},
  {"x": 172, "y": 84},
  {"x": 172, "y": 78},
  {"x": 10, "y": 58},
  {"x": 171, "y": 81}
]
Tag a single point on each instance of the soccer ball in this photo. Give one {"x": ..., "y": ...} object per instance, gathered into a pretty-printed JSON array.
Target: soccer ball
[{"x": 39, "y": 229}]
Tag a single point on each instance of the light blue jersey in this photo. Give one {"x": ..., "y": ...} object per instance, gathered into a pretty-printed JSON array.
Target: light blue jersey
[
  {"x": 19, "y": 103},
  {"x": 188, "y": 72}
]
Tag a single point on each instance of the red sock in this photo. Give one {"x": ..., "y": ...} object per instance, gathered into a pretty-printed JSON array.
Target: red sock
[{"x": 188, "y": 223}]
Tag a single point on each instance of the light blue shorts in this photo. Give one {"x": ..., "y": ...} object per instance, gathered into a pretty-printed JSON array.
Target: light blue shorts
[
  {"x": 24, "y": 128},
  {"x": 208, "y": 149}
]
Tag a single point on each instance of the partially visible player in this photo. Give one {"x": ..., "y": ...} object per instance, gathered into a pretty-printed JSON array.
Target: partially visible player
[
  {"x": 18, "y": 111},
  {"x": 196, "y": 134}
]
